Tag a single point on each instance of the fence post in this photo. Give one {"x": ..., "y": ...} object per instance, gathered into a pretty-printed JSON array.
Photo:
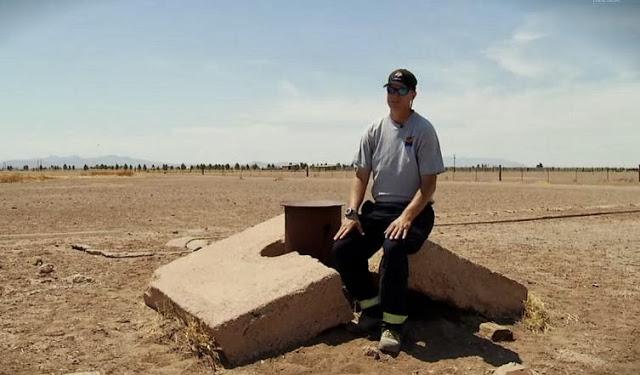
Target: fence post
[
  {"x": 548, "y": 177},
  {"x": 500, "y": 172},
  {"x": 607, "y": 174},
  {"x": 638, "y": 172},
  {"x": 521, "y": 174},
  {"x": 576, "y": 178}
]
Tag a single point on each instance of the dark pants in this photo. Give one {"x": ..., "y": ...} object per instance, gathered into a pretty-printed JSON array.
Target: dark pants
[{"x": 351, "y": 254}]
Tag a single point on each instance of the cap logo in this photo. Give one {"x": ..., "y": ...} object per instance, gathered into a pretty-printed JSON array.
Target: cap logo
[{"x": 397, "y": 75}]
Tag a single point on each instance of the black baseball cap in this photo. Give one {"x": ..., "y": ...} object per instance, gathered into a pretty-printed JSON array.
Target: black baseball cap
[{"x": 403, "y": 76}]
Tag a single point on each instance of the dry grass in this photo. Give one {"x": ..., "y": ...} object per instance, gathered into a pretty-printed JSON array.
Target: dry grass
[
  {"x": 188, "y": 333},
  {"x": 201, "y": 343},
  {"x": 22, "y": 177},
  {"x": 536, "y": 317},
  {"x": 127, "y": 173}
]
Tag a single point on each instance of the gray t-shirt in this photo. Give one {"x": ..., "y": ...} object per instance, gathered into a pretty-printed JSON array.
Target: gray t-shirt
[{"x": 398, "y": 156}]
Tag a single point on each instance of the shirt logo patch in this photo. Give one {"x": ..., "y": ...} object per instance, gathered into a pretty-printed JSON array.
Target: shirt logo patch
[{"x": 408, "y": 141}]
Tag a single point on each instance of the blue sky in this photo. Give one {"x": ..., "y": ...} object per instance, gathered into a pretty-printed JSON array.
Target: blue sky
[{"x": 172, "y": 81}]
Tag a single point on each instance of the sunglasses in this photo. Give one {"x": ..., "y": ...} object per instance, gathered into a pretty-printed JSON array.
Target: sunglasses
[{"x": 402, "y": 91}]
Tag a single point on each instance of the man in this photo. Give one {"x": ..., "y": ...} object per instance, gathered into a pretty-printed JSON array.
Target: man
[{"x": 403, "y": 153}]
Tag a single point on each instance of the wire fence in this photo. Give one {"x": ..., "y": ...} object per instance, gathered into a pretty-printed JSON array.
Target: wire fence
[
  {"x": 552, "y": 175},
  {"x": 581, "y": 176}
]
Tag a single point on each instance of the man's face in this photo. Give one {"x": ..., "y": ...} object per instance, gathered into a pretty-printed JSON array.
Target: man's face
[{"x": 396, "y": 100}]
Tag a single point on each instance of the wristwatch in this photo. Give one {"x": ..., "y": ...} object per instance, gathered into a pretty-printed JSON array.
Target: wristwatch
[{"x": 351, "y": 213}]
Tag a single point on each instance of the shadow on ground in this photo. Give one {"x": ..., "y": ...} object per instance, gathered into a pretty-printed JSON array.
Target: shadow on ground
[{"x": 435, "y": 332}]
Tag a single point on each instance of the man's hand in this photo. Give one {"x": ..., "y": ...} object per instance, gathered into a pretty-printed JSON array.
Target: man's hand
[
  {"x": 347, "y": 226},
  {"x": 399, "y": 228}
]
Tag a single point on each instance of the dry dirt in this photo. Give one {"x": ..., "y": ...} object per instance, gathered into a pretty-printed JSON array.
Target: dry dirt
[{"x": 586, "y": 270}]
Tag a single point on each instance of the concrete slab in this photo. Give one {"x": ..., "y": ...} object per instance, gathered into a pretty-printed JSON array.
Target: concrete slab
[
  {"x": 197, "y": 244},
  {"x": 179, "y": 242},
  {"x": 251, "y": 296},
  {"x": 445, "y": 276},
  {"x": 513, "y": 368}
]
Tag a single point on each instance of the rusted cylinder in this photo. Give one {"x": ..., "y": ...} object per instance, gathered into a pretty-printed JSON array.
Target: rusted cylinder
[{"x": 309, "y": 227}]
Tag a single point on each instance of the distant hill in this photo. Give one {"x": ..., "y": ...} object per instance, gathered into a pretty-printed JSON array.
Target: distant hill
[{"x": 77, "y": 161}]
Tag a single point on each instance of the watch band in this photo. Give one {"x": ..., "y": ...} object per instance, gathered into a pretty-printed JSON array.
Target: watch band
[{"x": 351, "y": 213}]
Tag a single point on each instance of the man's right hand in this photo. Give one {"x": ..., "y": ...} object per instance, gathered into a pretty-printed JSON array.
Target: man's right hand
[{"x": 347, "y": 226}]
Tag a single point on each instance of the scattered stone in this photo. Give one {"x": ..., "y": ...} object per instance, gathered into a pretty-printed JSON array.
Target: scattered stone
[
  {"x": 595, "y": 285},
  {"x": 14, "y": 207},
  {"x": 84, "y": 373},
  {"x": 37, "y": 262},
  {"x": 54, "y": 333},
  {"x": 123, "y": 320},
  {"x": 46, "y": 269},
  {"x": 197, "y": 244},
  {"x": 120, "y": 254},
  {"x": 371, "y": 351},
  {"x": 495, "y": 332},
  {"x": 174, "y": 232},
  {"x": 513, "y": 368},
  {"x": 79, "y": 279}
]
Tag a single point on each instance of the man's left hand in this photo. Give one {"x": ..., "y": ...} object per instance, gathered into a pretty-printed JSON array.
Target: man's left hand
[{"x": 399, "y": 228}]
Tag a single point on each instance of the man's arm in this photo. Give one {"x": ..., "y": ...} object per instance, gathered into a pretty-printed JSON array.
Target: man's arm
[
  {"x": 358, "y": 189},
  {"x": 400, "y": 227}
]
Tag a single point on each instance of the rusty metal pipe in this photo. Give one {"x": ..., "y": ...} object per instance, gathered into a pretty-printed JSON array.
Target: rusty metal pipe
[{"x": 309, "y": 227}]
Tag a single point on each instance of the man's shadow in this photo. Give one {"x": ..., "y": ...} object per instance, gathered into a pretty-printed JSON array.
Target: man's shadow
[{"x": 436, "y": 331}]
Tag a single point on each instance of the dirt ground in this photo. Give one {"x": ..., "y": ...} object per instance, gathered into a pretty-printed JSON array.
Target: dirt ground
[{"x": 88, "y": 314}]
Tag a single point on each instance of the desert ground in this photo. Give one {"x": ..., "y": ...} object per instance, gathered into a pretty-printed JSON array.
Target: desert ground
[{"x": 87, "y": 314}]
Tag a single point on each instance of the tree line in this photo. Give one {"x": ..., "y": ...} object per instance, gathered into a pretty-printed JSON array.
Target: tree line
[{"x": 184, "y": 167}]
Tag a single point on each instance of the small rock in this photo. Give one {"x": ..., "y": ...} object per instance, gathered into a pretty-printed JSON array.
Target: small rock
[
  {"x": 371, "y": 351},
  {"x": 513, "y": 368},
  {"x": 37, "y": 262},
  {"x": 46, "y": 269},
  {"x": 495, "y": 332},
  {"x": 79, "y": 279},
  {"x": 14, "y": 207},
  {"x": 84, "y": 373},
  {"x": 54, "y": 333},
  {"x": 123, "y": 320},
  {"x": 595, "y": 285}
]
